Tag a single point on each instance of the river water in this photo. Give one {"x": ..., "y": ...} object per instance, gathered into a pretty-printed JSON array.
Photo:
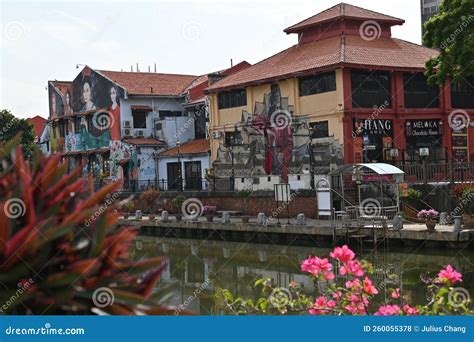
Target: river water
[{"x": 197, "y": 267}]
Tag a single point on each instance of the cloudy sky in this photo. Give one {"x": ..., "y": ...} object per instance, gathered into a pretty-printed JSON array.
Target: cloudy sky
[{"x": 44, "y": 41}]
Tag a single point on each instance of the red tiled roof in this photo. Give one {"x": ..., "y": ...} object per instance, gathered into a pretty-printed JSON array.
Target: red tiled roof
[
  {"x": 191, "y": 147},
  {"x": 149, "y": 83},
  {"x": 343, "y": 50},
  {"x": 145, "y": 141},
  {"x": 343, "y": 10},
  {"x": 38, "y": 123}
]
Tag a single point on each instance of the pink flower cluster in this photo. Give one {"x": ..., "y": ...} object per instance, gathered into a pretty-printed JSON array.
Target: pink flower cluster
[
  {"x": 317, "y": 266},
  {"x": 449, "y": 276},
  {"x": 395, "y": 310}
]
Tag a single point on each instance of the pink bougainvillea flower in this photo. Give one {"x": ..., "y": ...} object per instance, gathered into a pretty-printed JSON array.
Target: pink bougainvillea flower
[
  {"x": 353, "y": 284},
  {"x": 316, "y": 266},
  {"x": 337, "y": 295},
  {"x": 410, "y": 311},
  {"x": 343, "y": 254},
  {"x": 320, "y": 304},
  {"x": 369, "y": 287},
  {"x": 449, "y": 275},
  {"x": 396, "y": 294},
  {"x": 388, "y": 310},
  {"x": 352, "y": 267}
]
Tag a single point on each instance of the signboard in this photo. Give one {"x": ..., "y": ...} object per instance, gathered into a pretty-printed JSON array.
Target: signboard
[
  {"x": 363, "y": 127},
  {"x": 424, "y": 151},
  {"x": 422, "y": 128},
  {"x": 282, "y": 192},
  {"x": 323, "y": 196}
]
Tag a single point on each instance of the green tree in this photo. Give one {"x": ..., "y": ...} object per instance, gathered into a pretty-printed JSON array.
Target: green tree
[
  {"x": 11, "y": 126},
  {"x": 452, "y": 32}
]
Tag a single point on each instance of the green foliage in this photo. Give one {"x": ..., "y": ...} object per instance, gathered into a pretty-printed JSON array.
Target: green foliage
[
  {"x": 451, "y": 31},
  {"x": 178, "y": 202},
  {"x": 62, "y": 238},
  {"x": 414, "y": 194},
  {"x": 245, "y": 193},
  {"x": 10, "y": 126}
]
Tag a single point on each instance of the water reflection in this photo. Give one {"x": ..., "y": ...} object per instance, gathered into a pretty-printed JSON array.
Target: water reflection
[{"x": 197, "y": 267}]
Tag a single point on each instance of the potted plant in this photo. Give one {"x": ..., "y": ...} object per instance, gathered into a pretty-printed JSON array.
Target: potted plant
[
  {"x": 209, "y": 211},
  {"x": 429, "y": 215},
  {"x": 148, "y": 202},
  {"x": 176, "y": 204}
]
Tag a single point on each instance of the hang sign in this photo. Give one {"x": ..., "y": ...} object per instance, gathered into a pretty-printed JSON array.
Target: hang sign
[{"x": 373, "y": 126}]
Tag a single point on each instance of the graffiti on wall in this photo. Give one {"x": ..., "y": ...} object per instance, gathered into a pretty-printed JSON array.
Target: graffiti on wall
[{"x": 269, "y": 141}]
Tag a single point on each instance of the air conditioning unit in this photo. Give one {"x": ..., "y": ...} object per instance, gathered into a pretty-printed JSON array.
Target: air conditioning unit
[
  {"x": 139, "y": 133},
  {"x": 127, "y": 124},
  {"x": 216, "y": 135},
  {"x": 126, "y": 132}
]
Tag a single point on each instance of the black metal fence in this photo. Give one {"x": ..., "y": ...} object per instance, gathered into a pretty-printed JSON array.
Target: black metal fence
[
  {"x": 195, "y": 184},
  {"x": 450, "y": 172}
]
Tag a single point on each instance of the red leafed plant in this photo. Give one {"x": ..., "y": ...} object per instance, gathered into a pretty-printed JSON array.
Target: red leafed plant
[{"x": 61, "y": 250}]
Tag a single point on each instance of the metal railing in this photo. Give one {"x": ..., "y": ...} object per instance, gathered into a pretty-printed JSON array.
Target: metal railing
[
  {"x": 440, "y": 172},
  {"x": 194, "y": 184}
]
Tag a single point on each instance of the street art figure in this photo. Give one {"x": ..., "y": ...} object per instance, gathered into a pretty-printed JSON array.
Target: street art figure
[
  {"x": 87, "y": 95},
  {"x": 275, "y": 125},
  {"x": 114, "y": 112},
  {"x": 67, "y": 105}
]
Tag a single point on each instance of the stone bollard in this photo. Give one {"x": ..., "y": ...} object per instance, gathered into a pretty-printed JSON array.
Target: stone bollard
[
  {"x": 164, "y": 216},
  {"x": 398, "y": 221},
  {"x": 138, "y": 215},
  {"x": 443, "y": 218},
  {"x": 226, "y": 217},
  {"x": 261, "y": 218},
  {"x": 301, "y": 220},
  {"x": 457, "y": 223}
]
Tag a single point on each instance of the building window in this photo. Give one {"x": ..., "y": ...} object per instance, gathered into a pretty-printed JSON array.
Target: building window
[
  {"x": 232, "y": 139},
  {"x": 371, "y": 89},
  {"x": 139, "y": 119},
  {"x": 77, "y": 124},
  {"x": 418, "y": 94},
  {"x": 320, "y": 129},
  {"x": 318, "y": 84},
  {"x": 230, "y": 99},
  {"x": 462, "y": 94}
]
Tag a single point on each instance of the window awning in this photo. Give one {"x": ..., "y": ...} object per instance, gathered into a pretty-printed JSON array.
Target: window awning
[
  {"x": 142, "y": 108},
  {"x": 378, "y": 168}
]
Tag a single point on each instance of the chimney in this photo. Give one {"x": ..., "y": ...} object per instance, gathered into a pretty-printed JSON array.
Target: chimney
[
  {"x": 131, "y": 68},
  {"x": 148, "y": 68},
  {"x": 138, "y": 70},
  {"x": 231, "y": 63},
  {"x": 213, "y": 78},
  {"x": 155, "y": 67}
]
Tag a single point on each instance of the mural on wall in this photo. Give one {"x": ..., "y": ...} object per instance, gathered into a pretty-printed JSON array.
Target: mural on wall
[
  {"x": 271, "y": 141},
  {"x": 123, "y": 160},
  {"x": 56, "y": 106}
]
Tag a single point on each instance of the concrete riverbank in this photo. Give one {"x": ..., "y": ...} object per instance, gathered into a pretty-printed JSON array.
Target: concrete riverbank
[{"x": 415, "y": 235}]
